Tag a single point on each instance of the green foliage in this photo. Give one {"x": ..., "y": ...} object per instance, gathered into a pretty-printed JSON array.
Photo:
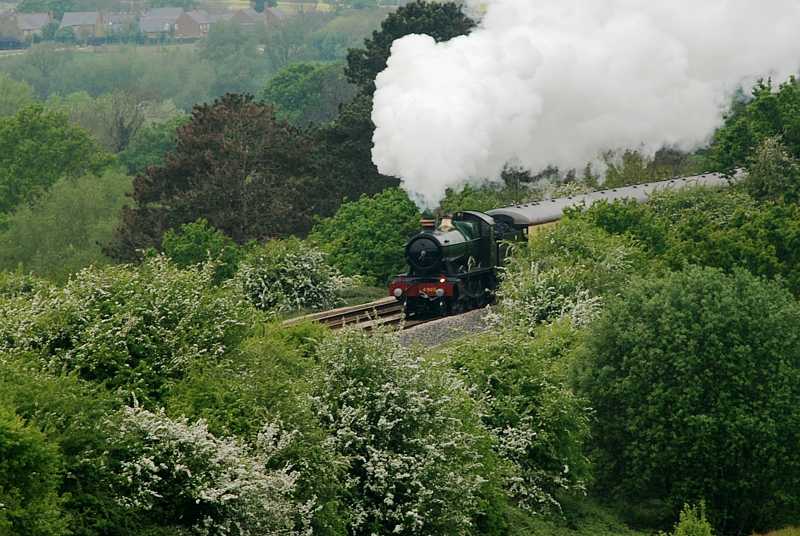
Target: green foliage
[
  {"x": 580, "y": 516},
  {"x": 36, "y": 149},
  {"x": 772, "y": 174},
  {"x": 442, "y": 21},
  {"x": 63, "y": 231},
  {"x": 70, "y": 412},
  {"x": 694, "y": 379},
  {"x": 724, "y": 229},
  {"x": 196, "y": 243},
  {"x": 483, "y": 198},
  {"x": 30, "y": 473},
  {"x": 14, "y": 96},
  {"x": 417, "y": 459},
  {"x": 566, "y": 272},
  {"x": 693, "y": 522},
  {"x": 540, "y": 424},
  {"x": 286, "y": 275},
  {"x": 306, "y": 93},
  {"x": 150, "y": 145},
  {"x": 767, "y": 114},
  {"x": 125, "y": 327},
  {"x": 366, "y": 237}
]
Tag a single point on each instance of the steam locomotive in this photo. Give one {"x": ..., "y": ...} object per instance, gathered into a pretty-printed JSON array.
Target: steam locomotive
[{"x": 454, "y": 266}]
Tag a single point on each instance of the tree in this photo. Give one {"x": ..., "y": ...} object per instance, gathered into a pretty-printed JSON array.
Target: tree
[
  {"x": 62, "y": 232},
  {"x": 772, "y": 174},
  {"x": 442, "y": 21},
  {"x": 36, "y": 149},
  {"x": 13, "y": 95},
  {"x": 150, "y": 145},
  {"x": 237, "y": 166},
  {"x": 306, "y": 93},
  {"x": 767, "y": 114},
  {"x": 366, "y": 237},
  {"x": 694, "y": 379}
]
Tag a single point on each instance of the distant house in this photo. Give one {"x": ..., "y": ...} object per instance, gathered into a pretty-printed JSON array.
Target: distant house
[
  {"x": 192, "y": 24},
  {"x": 160, "y": 22},
  {"x": 31, "y": 24},
  {"x": 84, "y": 24},
  {"x": 121, "y": 23}
]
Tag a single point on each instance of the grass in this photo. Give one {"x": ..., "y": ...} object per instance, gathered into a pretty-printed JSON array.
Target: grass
[
  {"x": 791, "y": 531},
  {"x": 584, "y": 516}
]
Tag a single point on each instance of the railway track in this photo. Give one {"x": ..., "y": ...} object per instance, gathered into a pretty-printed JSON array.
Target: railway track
[{"x": 385, "y": 312}]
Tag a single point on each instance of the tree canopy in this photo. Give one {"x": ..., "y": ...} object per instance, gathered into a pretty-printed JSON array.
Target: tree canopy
[{"x": 37, "y": 148}]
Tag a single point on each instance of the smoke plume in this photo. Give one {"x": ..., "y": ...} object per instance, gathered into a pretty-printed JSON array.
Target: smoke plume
[{"x": 555, "y": 82}]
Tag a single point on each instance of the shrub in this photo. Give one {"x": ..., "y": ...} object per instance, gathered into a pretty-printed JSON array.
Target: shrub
[
  {"x": 196, "y": 243},
  {"x": 541, "y": 425},
  {"x": 367, "y": 237},
  {"x": 30, "y": 473},
  {"x": 178, "y": 471},
  {"x": 693, "y": 522},
  {"x": 286, "y": 275},
  {"x": 565, "y": 272},
  {"x": 128, "y": 327},
  {"x": 694, "y": 379},
  {"x": 417, "y": 458},
  {"x": 69, "y": 411}
]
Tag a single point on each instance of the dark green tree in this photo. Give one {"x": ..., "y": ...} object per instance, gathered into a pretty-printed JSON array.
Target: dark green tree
[
  {"x": 442, "y": 21},
  {"x": 150, "y": 145},
  {"x": 306, "y": 93},
  {"x": 237, "y": 166},
  {"x": 37, "y": 148},
  {"x": 694, "y": 379},
  {"x": 772, "y": 173}
]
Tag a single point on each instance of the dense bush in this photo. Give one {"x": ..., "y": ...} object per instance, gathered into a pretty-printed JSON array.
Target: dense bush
[
  {"x": 30, "y": 474},
  {"x": 724, "y": 229},
  {"x": 70, "y": 412},
  {"x": 694, "y": 378},
  {"x": 286, "y": 275},
  {"x": 564, "y": 272},
  {"x": 417, "y": 458},
  {"x": 176, "y": 473},
  {"x": 131, "y": 328},
  {"x": 541, "y": 425},
  {"x": 63, "y": 232},
  {"x": 196, "y": 243},
  {"x": 150, "y": 145},
  {"x": 366, "y": 237}
]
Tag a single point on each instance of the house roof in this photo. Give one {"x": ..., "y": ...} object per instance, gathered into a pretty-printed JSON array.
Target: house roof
[
  {"x": 79, "y": 18},
  {"x": 32, "y": 21},
  {"x": 171, "y": 14},
  {"x": 121, "y": 18},
  {"x": 217, "y": 17},
  {"x": 199, "y": 16}
]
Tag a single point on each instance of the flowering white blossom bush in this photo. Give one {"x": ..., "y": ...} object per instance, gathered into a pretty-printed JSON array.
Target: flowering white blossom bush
[
  {"x": 286, "y": 275},
  {"x": 418, "y": 458},
  {"x": 533, "y": 295},
  {"x": 127, "y": 326},
  {"x": 179, "y": 472},
  {"x": 540, "y": 425}
]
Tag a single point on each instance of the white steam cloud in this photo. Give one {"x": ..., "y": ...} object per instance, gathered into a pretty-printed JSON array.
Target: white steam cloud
[{"x": 555, "y": 82}]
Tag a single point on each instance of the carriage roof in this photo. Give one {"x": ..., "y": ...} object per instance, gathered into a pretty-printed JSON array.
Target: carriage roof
[{"x": 553, "y": 209}]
